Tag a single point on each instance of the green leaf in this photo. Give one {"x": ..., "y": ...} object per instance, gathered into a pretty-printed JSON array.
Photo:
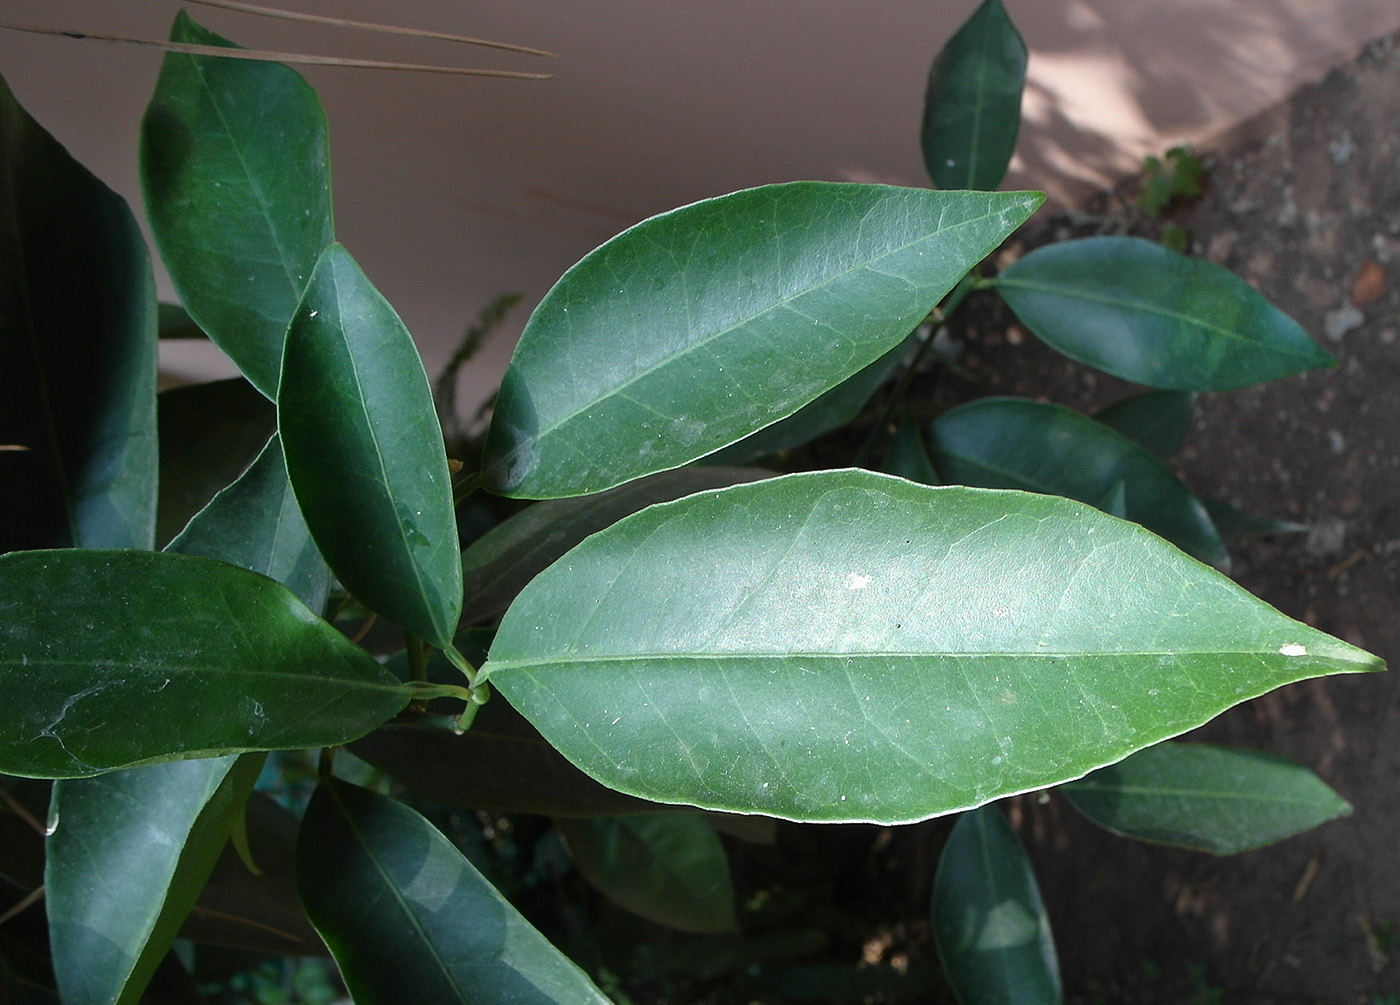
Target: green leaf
[
  {"x": 700, "y": 326},
  {"x": 408, "y": 918},
  {"x": 209, "y": 434},
  {"x": 173, "y": 321},
  {"x": 851, "y": 646},
  {"x": 989, "y": 924},
  {"x": 669, "y": 868},
  {"x": 832, "y": 410},
  {"x": 1142, "y": 312},
  {"x": 110, "y": 659},
  {"x": 497, "y": 565},
  {"x": 972, "y": 108},
  {"x": 235, "y": 167},
  {"x": 1206, "y": 798},
  {"x": 1019, "y": 444},
  {"x": 907, "y": 457},
  {"x": 128, "y": 855},
  {"x": 501, "y": 763},
  {"x": 255, "y": 524},
  {"x": 1232, "y": 523},
  {"x": 1156, "y": 420},
  {"x": 365, "y": 455},
  {"x": 77, "y": 352}
]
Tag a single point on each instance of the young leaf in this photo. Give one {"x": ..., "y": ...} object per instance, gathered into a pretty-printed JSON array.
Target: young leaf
[
  {"x": 255, "y": 524},
  {"x": 1142, "y": 312},
  {"x": 972, "y": 109},
  {"x": 851, "y": 646},
  {"x": 235, "y": 167},
  {"x": 638, "y": 361},
  {"x": 989, "y": 924},
  {"x": 77, "y": 352},
  {"x": 125, "y": 863},
  {"x": 497, "y": 565},
  {"x": 408, "y": 918},
  {"x": 669, "y": 868},
  {"x": 1206, "y": 798},
  {"x": 365, "y": 455},
  {"x": 110, "y": 659},
  {"x": 1156, "y": 420},
  {"x": 1232, "y": 523},
  {"x": 1015, "y": 443}
]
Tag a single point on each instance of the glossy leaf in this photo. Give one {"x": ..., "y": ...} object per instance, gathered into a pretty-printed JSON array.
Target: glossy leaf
[
  {"x": 669, "y": 868},
  {"x": 501, "y": 763},
  {"x": 408, "y": 918},
  {"x": 235, "y": 167},
  {"x": 111, "y": 659},
  {"x": 497, "y": 565},
  {"x": 1033, "y": 445},
  {"x": 852, "y": 646},
  {"x": 1156, "y": 420},
  {"x": 832, "y": 410},
  {"x": 209, "y": 434},
  {"x": 1214, "y": 799},
  {"x": 989, "y": 924},
  {"x": 365, "y": 455},
  {"x": 1137, "y": 310},
  {"x": 255, "y": 524},
  {"x": 77, "y": 352},
  {"x": 640, "y": 360},
  {"x": 127, "y": 858},
  {"x": 1233, "y": 523},
  {"x": 972, "y": 108},
  {"x": 907, "y": 457}
]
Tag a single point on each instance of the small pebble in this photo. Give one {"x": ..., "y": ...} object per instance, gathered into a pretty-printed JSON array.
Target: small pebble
[{"x": 1344, "y": 319}]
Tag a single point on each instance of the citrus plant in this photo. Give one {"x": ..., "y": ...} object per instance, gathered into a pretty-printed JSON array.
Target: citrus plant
[{"x": 663, "y": 630}]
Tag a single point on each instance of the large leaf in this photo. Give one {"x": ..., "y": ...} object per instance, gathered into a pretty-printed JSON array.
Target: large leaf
[
  {"x": 1156, "y": 420},
  {"x": 990, "y": 927},
  {"x": 1014, "y": 443},
  {"x": 499, "y": 563},
  {"x": 255, "y": 524},
  {"x": 1213, "y": 799},
  {"x": 1138, "y": 310},
  {"x": 409, "y": 919},
  {"x": 972, "y": 108},
  {"x": 852, "y": 646},
  {"x": 77, "y": 352},
  {"x": 127, "y": 858},
  {"x": 702, "y": 325},
  {"x": 666, "y": 867},
  {"x": 115, "y": 658},
  {"x": 365, "y": 454},
  {"x": 236, "y": 171},
  {"x": 209, "y": 434}
]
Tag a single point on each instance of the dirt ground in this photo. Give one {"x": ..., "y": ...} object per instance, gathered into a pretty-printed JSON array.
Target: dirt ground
[{"x": 1304, "y": 203}]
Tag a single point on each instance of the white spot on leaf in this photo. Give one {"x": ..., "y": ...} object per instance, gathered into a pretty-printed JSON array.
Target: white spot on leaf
[
  {"x": 857, "y": 582},
  {"x": 1293, "y": 649}
]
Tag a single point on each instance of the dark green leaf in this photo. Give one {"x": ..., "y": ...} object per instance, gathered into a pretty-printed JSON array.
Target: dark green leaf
[
  {"x": 255, "y": 524},
  {"x": 365, "y": 455},
  {"x": 669, "y": 868},
  {"x": 1212, "y": 799},
  {"x": 989, "y": 924},
  {"x": 1142, "y": 312},
  {"x": 1114, "y": 502},
  {"x": 173, "y": 321},
  {"x": 1156, "y": 420},
  {"x": 209, "y": 434},
  {"x": 111, "y": 659},
  {"x": 852, "y": 646},
  {"x": 972, "y": 109},
  {"x": 1019, "y": 444},
  {"x": 499, "y": 563},
  {"x": 907, "y": 457},
  {"x": 236, "y": 171},
  {"x": 127, "y": 857},
  {"x": 77, "y": 352},
  {"x": 705, "y": 324},
  {"x": 1232, "y": 523},
  {"x": 409, "y": 919},
  {"x": 501, "y": 763},
  {"x": 824, "y": 413}
]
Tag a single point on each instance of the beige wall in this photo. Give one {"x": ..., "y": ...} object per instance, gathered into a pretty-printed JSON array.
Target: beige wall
[{"x": 451, "y": 190}]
